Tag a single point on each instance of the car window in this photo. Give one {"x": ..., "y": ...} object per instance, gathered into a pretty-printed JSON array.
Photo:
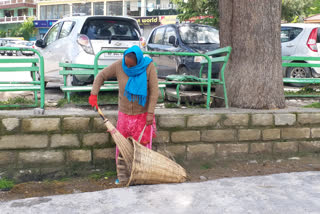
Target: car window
[
  {"x": 157, "y": 36},
  {"x": 197, "y": 34},
  {"x": 289, "y": 33},
  {"x": 102, "y": 29},
  {"x": 170, "y": 31},
  {"x": 66, "y": 29},
  {"x": 52, "y": 34}
]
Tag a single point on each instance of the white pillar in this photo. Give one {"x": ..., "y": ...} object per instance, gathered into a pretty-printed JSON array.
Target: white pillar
[
  {"x": 71, "y": 9},
  {"x": 104, "y": 8},
  {"x": 124, "y": 8},
  {"x": 38, "y": 12},
  {"x": 92, "y": 9},
  {"x": 143, "y": 8}
]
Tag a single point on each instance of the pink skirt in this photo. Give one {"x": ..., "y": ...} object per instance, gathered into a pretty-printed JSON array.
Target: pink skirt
[{"x": 132, "y": 126}]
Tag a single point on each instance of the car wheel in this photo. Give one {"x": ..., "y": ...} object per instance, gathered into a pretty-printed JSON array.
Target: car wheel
[
  {"x": 9, "y": 54},
  {"x": 298, "y": 72},
  {"x": 184, "y": 71}
]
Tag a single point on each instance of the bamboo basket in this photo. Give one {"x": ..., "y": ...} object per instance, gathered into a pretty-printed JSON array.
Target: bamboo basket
[
  {"x": 140, "y": 165},
  {"x": 150, "y": 167}
]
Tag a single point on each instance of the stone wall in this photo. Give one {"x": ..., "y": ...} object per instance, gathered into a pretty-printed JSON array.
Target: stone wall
[{"x": 42, "y": 146}]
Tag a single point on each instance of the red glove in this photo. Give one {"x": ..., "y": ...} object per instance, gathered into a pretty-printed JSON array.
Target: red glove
[{"x": 93, "y": 101}]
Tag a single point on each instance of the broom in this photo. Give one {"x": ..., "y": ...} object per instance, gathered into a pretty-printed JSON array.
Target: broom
[{"x": 124, "y": 145}]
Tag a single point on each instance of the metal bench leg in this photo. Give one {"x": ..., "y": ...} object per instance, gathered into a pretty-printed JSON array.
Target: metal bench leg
[
  {"x": 68, "y": 97},
  {"x": 162, "y": 95},
  {"x": 200, "y": 74},
  {"x": 178, "y": 94},
  {"x": 225, "y": 95}
]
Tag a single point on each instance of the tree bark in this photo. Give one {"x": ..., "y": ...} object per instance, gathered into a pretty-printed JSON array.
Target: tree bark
[{"x": 254, "y": 71}]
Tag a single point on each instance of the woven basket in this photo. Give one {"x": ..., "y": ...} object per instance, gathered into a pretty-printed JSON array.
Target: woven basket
[{"x": 150, "y": 167}]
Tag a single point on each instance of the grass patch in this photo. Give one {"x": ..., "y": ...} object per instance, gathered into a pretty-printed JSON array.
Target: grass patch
[
  {"x": 17, "y": 100},
  {"x": 6, "y": 185},
  {"x": 81, "y": 98},
  {"x": 206, "y": 166},
  {"x": 98, "y": 176},
  {"x": 312, "y": 89},
  {"x": 313, "y": 105}
]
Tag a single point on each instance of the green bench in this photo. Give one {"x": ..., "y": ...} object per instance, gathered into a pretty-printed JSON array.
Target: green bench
[
  {"x": 35, "y": 66},
  {"x": 69, "y": 69},
  {"x": 298, "y": 61},
  {"x": 203, "y": 81},
  {"x": 221, "y": 56}
]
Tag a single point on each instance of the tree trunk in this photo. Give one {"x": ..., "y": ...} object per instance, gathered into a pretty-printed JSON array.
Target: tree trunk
[{"x": 254, "y": 72}]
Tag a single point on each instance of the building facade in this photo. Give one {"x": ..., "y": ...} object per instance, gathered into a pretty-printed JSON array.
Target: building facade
[
  {"x": 14, "y": 12},
  {"x": 57, "y": 9}
]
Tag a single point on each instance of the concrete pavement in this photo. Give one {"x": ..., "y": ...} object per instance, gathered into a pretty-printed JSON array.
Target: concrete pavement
[{"x": 293, "y": 193}]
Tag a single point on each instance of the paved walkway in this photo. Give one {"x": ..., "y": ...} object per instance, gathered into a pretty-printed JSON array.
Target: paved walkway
[{"x": 293, "y": 193}]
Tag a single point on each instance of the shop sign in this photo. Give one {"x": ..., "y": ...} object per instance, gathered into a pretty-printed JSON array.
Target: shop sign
[
  {"x": 51, "y": 22},
  {"x": 148, "y": 21},
  {"x": 40, "y": 23},
  {"x": 165, "y": 20}
]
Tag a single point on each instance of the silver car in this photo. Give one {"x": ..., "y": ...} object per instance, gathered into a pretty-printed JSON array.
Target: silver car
[
  {"x": 299, "y": 39},
  {"x": 78, "y": 39}
]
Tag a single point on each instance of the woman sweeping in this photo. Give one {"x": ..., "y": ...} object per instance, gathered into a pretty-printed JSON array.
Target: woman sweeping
[{"x": 138, "y": 94}]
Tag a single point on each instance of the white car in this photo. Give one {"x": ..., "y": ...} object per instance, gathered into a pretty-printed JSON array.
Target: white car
[
  {"x": 78, "y": 39},
  {"x": 298, "y": 39}
]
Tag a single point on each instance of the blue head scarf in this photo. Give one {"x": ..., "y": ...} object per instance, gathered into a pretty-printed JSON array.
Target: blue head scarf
[{"x": 136, "y": 88}]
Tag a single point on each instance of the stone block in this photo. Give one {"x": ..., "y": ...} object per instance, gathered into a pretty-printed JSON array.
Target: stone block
[
  {"x": 261, "y": 148},
  {"x": 76, "y": 123},
  {"x": 262, "y": 119},
  {"x": 185, "y": 136},
  {"x": 218, "y": 135},
  {"x": 295, "y": 133},
  {"x": 95, "y": 139},
  {"x": 41, "y": 157},
  {"x": 162, "y": 137},
  {"x": 23, "y": 141},
  {"x": 229, "y": 149},
  {"x": 178, "y": 121},
  {"x": 79, "y": 155},
  {"x": 172, "y": 150},
  {"x": 285, "y": 147},
  {"x": 10, "y": 124},
  {"x": 309, "y": 146},
  {"x": 203, "y": 120},
  {"x": 41, "y": 124},
  {"x": 284, "y": 119},
  {"x": 315, "y": 132},
  {"x": 309, "y": 118},
  {"x": 236, "y": 120},
  {"x": 200, "y": 151},
  {"x": 66, "y": 140},
  {"x": 101, "y": 154},
  {"x": 7, "y": 158},
  {"x": 271, "y": 134},
  {"x": 249, "y": 134},
  {"x": 98, "y": 124}
]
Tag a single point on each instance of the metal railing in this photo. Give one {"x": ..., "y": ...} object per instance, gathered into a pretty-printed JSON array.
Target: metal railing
[
  {"x": 7, "y": 2},
  {"x": 14, "y": 18}
]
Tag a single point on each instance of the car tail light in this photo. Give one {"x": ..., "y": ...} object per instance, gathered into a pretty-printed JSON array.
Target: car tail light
[
  {"x": 85, "y": 43},
  {"x": 312, "y": 40},
  {"x": 142, "y": 41}
]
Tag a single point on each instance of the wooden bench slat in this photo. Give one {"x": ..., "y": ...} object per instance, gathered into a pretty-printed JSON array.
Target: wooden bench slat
[
  {"x": 76, "y": 72},
  {"x": 21, "y": 88},
  {"x": 24, "y": 60},
  {"x": 72, "y": 65},
  {"x": 215, "y": 59},
  {"x": 17, "y": 69}
]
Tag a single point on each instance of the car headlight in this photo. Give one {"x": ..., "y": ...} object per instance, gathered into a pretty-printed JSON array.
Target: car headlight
[{"x": 198, "y": 58}]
